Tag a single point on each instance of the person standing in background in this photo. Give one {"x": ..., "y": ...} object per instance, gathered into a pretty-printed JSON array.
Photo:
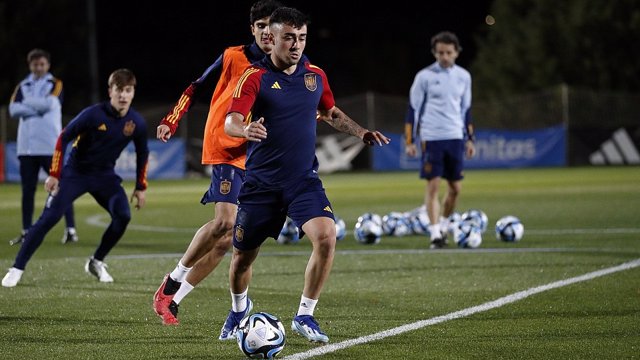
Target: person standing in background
[
  {"x": 440, "y": 99},
  {"x": 37, "y": 104}
]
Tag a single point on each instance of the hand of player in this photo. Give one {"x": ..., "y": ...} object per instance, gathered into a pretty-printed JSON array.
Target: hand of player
[
  {"x": 470, "y": 149},
  {"x": 411, "y": 150},
  {"x": 375, "y": 137},
  {"x": 139, "y": 195},
  {"x": 255, "y": 131},
  {"x": 163, "y": 133},
  {"x": 51, "y": 185}
]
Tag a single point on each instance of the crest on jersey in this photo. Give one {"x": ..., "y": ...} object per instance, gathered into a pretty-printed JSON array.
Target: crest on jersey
[
  {"x": 239, "y": 233},
  {"x": 310, "y": 81},
  {"x": 129, "y": 127},
  {"x": 225, "y": 187}
]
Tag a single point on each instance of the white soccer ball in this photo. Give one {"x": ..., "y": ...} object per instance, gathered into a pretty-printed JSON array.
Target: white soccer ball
[
  {"x": 368, "y": 229},
  {"x": 396, "y": 224},
  {"x": 467, "y": 234},
  {"x": 419, "y": 221},
  {"x": 509, "y": 228},
  {"x": 290, "y": 234},
  {"x": 341, "y": 228},
  {"x": 261, "y": 336},
  {"x": 478, "y": 217}
]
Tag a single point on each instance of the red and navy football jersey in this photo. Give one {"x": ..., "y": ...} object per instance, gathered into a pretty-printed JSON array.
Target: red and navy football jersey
[
  {"x": 288, "y": 104},
  {"x": 99, "y": 135}
]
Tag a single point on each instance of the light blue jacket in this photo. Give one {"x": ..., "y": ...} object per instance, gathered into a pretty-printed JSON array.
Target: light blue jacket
[
  {"x": 37, "y": 103},
  {"x": 440, "y": 99}
]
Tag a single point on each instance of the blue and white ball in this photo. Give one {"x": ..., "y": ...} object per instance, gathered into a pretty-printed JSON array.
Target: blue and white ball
[
  {"x": 368, "y": 229},
  {"x": 290, "y": 234},
  {"x": 396, "y": 224},
  {"x": 509, "y": 229},
  {"x": 261, "y": 336},
  {"x": 478, "y": 217},
  {"x": 467, "y": 235},
  {"x": 419, "y": 222},
  {"x": 341, "y": 228}
]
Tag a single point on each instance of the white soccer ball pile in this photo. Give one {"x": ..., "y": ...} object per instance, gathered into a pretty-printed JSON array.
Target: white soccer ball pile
[
  {"x": 509, "y": 229},
  {"x": 464, "y": 229},
  {"x": 261, "y": 336}
]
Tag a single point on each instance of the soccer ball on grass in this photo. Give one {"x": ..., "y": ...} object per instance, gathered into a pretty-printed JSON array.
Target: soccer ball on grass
[
  {"x": 509, "y": 229},
  {"x": 261, "y": 336},
  {"x": 368, "y": 229}
]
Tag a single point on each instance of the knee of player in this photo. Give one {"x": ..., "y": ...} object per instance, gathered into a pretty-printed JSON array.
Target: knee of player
[
  {"x": 121, "y": 216},
  {"x": 325, "y": 241},
  {"x": 223, "y": 225}
]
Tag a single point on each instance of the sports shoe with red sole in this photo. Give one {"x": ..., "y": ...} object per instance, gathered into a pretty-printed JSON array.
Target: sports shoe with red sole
[{"x": 162, "y": 303}]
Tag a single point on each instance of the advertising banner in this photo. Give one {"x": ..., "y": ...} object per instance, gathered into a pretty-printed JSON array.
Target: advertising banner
[
  {"x": 494, "y": 149},
  {"x": 166, "y": 161}
]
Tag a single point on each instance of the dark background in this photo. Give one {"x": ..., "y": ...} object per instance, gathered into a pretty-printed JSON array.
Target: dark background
[{"x": 361, "y": 46}]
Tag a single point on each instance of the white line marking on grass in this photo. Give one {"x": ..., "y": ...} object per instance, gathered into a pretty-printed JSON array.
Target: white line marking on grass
[
  {"x": 462, "y": 313},
  {"x": 391, "y": 252},
  {"x": 101, "y": 220}
]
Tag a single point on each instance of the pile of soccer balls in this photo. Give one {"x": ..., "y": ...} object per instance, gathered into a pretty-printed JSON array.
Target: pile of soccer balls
[{"x": 464, "y": 229}]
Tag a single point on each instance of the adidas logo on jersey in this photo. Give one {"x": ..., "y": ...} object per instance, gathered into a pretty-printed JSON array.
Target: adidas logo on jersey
[
  {"x": 618, "y": 150},
  {"x": 276, "y": 86}
]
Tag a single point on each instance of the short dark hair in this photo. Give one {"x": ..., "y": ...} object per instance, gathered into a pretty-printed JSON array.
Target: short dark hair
[
  {"x": 122, "y": 78},
  {"x": 37, "y": 54},
  {"x": 446, "y": 37},
  {"x": 262, "y": 9},
  {"x": 290, "y": 16}
]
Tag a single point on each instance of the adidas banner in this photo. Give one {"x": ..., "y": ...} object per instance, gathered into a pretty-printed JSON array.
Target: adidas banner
[
  {"x": 166, "y": 161},
  {"x": 613, "y": 146},
  {"x": 494, "y": 149}
]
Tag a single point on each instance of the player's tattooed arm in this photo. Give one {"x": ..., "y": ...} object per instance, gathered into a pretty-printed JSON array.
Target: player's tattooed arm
[{"x": 342, "y": 122}]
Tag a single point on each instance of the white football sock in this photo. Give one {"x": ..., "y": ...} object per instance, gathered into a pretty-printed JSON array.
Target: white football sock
[
  {"x": 239, "y": 301},
  {"x": 185, "y": 288},
  {"x": 180, "y": 272},
  {"x": 307, "y": 306}
]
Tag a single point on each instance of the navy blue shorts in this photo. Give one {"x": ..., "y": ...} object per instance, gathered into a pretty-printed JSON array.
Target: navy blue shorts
[
  {"x": 226, "y": 181},
  {"x": 442, "y": 158},
  {"x": 262, "y": 210}
]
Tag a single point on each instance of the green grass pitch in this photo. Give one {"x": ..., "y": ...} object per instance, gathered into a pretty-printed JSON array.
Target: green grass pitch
[{"x": 577, "y": 221}]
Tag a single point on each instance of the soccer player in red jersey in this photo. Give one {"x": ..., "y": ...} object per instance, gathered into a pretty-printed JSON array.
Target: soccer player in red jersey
[{"x": 276, "y": 106}]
